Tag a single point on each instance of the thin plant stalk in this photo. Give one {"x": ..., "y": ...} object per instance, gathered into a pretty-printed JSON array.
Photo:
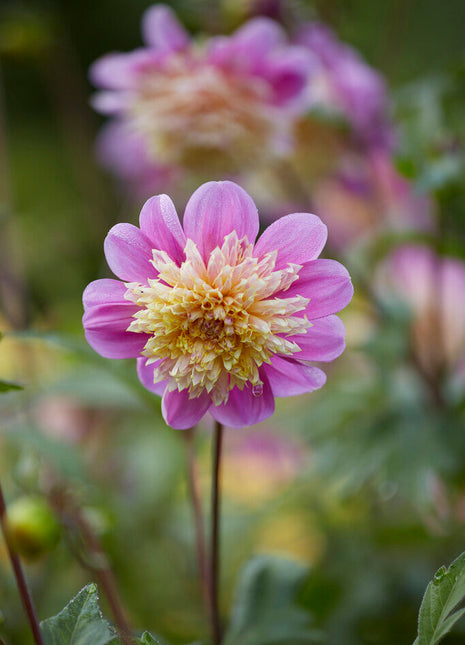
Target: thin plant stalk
[
  {"x": 21, "y": 583},
  {"x": 215, "y": 531},
  {"x": 106, "y": 578},
  {"x": 194, "y": 495}
]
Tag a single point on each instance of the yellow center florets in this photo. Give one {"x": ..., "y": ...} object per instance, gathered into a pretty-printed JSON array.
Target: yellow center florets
[
  {"x": 197, "y": 115},
  {"x": 215, "y": 324}
]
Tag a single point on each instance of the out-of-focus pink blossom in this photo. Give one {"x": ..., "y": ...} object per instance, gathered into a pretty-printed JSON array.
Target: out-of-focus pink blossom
[
  {"x": 343, "y": 83},
  {"x": 213, "y": 108},
  {"x": 123, "y": 153},
  {"x": 368, "y": 196},
  {"x": 219, "y": 323},
  {"x": 432, "y": 286}
]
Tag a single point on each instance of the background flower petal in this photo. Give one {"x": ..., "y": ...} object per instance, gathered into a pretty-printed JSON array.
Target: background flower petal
[
  {"x": 160, "y": 223},
  {"x": 288, "y": 73},
  {"x": 243, "y": 408},
  {"x": 181, "y": 412},
  {"x": 128, "y": 252},
  {"x": 119, "y": 71},
  {"x": 215, "y": 210},
  {"x": 298, "y": 238},
  {"x": 162, "y": 30},
  {"x": 324, "y": 341},
  {"x": 288, "y": 377}
]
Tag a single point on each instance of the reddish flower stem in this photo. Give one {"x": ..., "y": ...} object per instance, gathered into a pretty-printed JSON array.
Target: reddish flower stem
[
  {"x": 21, "y": 583},
  {"x": 105, "y": 576},
  {"x": 194, "y": 494},
  {"x": 215, "y": 530}
]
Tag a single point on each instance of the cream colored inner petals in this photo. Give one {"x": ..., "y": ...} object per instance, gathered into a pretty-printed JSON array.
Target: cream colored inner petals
[
  {"x": 195, "y": 114},
  {"x": 214, "y": 325}
]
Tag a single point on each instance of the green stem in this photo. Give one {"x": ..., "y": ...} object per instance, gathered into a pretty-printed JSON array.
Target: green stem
[{"x": 194, "y": 494}]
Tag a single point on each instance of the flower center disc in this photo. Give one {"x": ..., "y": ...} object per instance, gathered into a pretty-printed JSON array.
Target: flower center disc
[
  {"x": 213, "y": 325},
  {"x": 198, "y": 115}
]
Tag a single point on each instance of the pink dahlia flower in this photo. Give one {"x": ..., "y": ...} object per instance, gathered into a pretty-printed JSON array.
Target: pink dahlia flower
[
  {"x": 341, "y": 81},
  {"x": 368, "y": 197},
  {"x": 432, "y": 287},
  {"x": 219, "y": 323},
  {"x": 210, "y": 108}
]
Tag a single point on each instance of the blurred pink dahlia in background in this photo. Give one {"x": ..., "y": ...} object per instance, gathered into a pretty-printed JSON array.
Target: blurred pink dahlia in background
[
  {"x": 432, "y": 287},
  {"x": 366, "y": 197},
  {"x": 219, "y": 323},
  {"x": 342, "y": 83},
  {"x": 209, "y": 108}
]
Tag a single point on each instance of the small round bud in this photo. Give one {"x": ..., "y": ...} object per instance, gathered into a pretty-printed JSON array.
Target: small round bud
[{"x": 32, "y": 527}]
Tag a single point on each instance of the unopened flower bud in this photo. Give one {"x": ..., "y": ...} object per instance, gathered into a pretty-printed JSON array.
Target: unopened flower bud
[{"x": 32, "y": 527}]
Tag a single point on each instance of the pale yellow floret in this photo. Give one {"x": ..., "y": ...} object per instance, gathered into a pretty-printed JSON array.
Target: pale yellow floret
[
  {"x": 214, "y": 325},
  {"x": 226, "y": 120}
]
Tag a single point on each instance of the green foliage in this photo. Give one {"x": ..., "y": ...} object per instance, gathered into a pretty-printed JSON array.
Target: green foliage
[
  {"x": 147, "y": 639},
  {"x": 6, "y": 386},
  {"x": 80, "y": 622},
  {"x": 443, "y": 594},
  {"x": 265, "y": 610}
]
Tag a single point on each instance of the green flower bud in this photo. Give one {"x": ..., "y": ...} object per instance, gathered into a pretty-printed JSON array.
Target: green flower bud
[{"x": 32, "y": 527}]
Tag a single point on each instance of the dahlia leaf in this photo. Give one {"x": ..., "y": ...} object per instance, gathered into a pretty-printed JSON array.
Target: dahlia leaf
[
  {"x": 265, "y": 610},
  {"x": 148, "y": 639},
  {"x": 79, "y": 623},
  {"x": 445, "y": 591},
  {"x": 6, "y": 386}
]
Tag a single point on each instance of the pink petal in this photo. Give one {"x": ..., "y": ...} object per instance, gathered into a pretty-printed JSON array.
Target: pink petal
[
  {"x": 247, "y": 48},
  {"x": 324, "y": 341},
  {"x": 181, "y": 412},
  {"x": 160, "y": 223},
  {"x": 109, "y": 102},
  {"x": 258, "y": 37},
  {"x": 145, "y": 374},
  {"x": 327, "y": 283},
  {"x": 243, "y": 408},
  {"x": 106, "y": 291},
  {"x": 215, "y": 210},
  {"x": 106, "y": 318},
  {"x": 289, "y": 71},
  {"x": 119, "y": 71},
  {"x": 162, "y": 30},
  {"x": 128, "y": 252},
  {"x": 288, "y": 377},
  {"x": 123, "y": 152},
  {"x": 298, "y": 238}
]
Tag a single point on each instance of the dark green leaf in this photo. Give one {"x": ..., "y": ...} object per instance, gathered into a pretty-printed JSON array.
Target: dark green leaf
[
  {"x": 265, "y": 610},
  {"x": 6, "y": 386},
  {"x": 443, "y": 594},
  {"x": 80, "y": 622}
]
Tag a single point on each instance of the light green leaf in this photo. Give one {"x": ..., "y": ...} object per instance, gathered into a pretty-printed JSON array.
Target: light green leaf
[
  {"x": 80, "y": 622},
  {"x": 148, "y": 639},
  {"x": 443, "y": 594},
  {"x": 6, "y": 386},
  {"x": 265, "y": 610}
]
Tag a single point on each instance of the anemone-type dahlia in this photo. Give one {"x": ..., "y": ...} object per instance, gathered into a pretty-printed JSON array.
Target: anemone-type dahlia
[
  {"x": 366, "y": 196},
  {"x": 432, "y": 287},
  {"x": 210, "y": 108},
  {"x": 218, "y": 322},
  {"x": 342, "y": 82}
]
